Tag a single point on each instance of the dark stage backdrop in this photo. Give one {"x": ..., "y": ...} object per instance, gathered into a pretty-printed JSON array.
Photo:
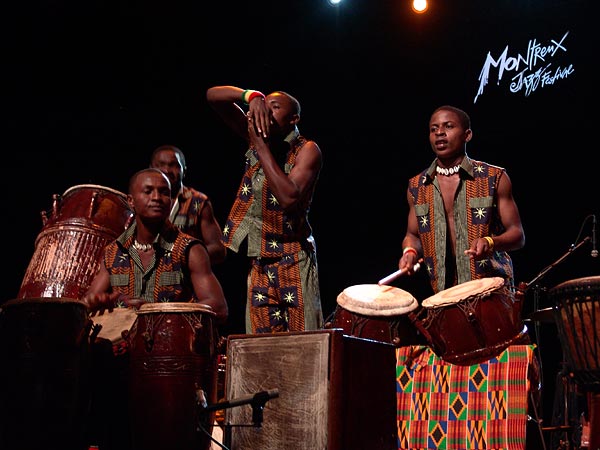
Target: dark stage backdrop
[{"x": 91, "y": 88}]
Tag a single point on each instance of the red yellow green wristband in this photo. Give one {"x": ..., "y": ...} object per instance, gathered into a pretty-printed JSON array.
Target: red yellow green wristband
[{"x": 248, "y": 95}]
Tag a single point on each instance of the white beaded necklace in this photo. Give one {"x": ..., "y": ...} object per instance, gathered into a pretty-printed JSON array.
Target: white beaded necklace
[
  {"x": 447, "y": 172},
  {"x": 141, "y": 247}
]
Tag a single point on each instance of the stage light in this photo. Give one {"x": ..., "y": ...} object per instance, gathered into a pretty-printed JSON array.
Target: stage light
[
  {"x": 334, "y": 2},
  {"x": 419, "y": 6}
]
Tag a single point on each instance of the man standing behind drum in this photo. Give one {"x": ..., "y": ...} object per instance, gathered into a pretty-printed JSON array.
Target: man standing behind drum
[
  {"x": 152, "y": 261},
  {"x": 462, "y": 216},
  {"x": 192, "y": 210},
  {"x": 462, "y": 221}
]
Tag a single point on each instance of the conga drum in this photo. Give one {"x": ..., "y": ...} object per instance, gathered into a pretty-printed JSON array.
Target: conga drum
[
  {"x": 173, "y": 376},
  {"x": 376, "y": 312},
  {"x": 472, "y": 322},
  {"x": 577, "y": 315},
  {"x": 69, "y": 247},
  {"x": 44, "y": 395}
]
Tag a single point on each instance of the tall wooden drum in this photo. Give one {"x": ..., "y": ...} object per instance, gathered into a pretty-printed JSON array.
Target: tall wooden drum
[
  {"x": 173, "y": 374},
  {"x": 45, "y": 377},
  {"x": 83, "y": 220}
]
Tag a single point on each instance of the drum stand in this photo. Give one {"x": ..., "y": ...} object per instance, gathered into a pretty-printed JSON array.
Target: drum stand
[
  {"x": 257, "y": 401},
  {"x": 565, "y": 434},
  {"x": 566, "y": 383}
]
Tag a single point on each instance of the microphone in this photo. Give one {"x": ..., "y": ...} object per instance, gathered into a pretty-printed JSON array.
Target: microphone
[
  {"x": 594, "y": 249},
  {"x": 259, "y": 398}
]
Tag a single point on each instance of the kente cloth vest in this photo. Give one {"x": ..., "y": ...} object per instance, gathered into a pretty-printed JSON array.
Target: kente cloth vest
[
  {"x": 475, "y": 216},
  {"x": 165, "y": 280},
  {"x": 256, "y": 213},
  {"x": 186, "y": 218}
]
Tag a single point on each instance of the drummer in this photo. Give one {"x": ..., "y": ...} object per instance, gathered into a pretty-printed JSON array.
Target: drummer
[
  {"x": 152, "y": 261},
  {"x": 462, "y": 216}
]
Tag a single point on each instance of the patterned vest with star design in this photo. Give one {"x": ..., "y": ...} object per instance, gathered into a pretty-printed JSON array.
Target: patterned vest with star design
[
  {"x": 478, "y": 218},
  {"x": 191, "y": 202},
  {"x": 167, "y": 280},
  {"x": 281, "y": 233}
]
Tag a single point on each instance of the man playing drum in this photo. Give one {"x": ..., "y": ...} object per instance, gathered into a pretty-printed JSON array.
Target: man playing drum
[
  {"x": 151, "y": 262},
  {"x": 462, "y": 221},
  {"x": 462, "y": 218}
]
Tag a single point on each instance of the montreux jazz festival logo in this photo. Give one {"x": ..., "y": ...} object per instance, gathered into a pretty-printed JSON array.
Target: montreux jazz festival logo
[{"x": 536, "y": 69}]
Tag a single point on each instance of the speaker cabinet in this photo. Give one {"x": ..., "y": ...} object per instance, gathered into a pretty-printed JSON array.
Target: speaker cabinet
[{"x": 335, "y": 392}]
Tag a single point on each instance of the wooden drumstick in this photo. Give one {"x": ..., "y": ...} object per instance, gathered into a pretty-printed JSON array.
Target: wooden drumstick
[{"x": 396, "y": 274}]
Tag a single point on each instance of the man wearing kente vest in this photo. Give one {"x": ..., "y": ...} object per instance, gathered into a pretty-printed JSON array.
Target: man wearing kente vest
[
  {"x": 271, "y": 209},
  {"x": 462, "y": 217},
  {"x": 192, "y": 211},
  {"x": 462, "y": 222}
]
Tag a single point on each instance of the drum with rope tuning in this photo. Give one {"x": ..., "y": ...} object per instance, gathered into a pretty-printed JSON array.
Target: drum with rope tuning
[
  {"x": 577, "y": 315},
  {"x": 472, "y": 322},
  {"x": 376, "y": 312}
]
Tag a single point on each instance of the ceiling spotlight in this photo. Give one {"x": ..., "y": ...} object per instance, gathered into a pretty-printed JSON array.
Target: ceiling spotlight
[{"x": 419, "y": 6}]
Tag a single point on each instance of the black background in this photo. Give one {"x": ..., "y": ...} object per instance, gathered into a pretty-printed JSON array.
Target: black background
[{"x": 91, "y": 88}]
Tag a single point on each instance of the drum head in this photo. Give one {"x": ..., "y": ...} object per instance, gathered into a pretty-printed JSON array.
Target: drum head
[
  {"x": 114, "y": 323},
  {"x": 463, "y": 291},
  {"x": 174, "y": 307},
  {"x": 589, "y": 286},
  {"x": 376, "y": 300},
  {"x": 94, "y": 187}
]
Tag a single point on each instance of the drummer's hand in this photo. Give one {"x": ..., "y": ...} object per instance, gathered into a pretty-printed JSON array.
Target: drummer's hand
[
  {"x": 98, "y": 303},
  {"x": 407, "y": 263},
  {"x": 134, "y": 303},
  {"x": 480, "y": 248}
]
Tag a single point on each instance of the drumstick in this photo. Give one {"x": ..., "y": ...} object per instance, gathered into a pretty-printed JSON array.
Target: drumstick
[{"x": 396, "y": 274}]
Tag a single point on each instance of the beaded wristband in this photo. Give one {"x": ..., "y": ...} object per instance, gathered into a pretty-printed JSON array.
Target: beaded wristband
[
  {"x": 490, "y": 242},
  {"x": 248, "y": 95},
  {"x": 410, "y": 250}
]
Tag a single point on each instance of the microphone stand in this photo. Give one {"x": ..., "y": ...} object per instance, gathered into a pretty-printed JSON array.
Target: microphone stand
[
  {"x": 257, "y": 401},
  {"x": 524, "y": 287},
  {"x": 540, "y": 275}
]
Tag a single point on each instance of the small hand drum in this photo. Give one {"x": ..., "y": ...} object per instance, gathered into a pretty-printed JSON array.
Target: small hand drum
[
  {"x": 376, "y": 312},
  {"x": 115, "y": 324}
]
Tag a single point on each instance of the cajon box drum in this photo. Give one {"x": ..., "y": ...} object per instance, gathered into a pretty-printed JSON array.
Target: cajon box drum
[{"x": 336, "y": 392}]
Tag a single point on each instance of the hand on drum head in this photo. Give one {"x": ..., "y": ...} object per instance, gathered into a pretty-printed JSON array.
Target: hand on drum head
[
  {"x": 134, "y": 303},
  {"x": 98, "y": 303}
]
